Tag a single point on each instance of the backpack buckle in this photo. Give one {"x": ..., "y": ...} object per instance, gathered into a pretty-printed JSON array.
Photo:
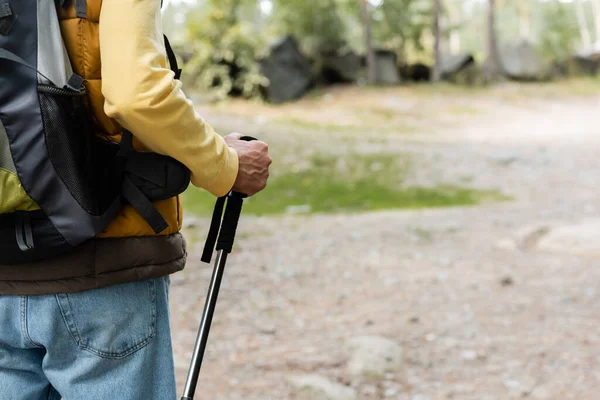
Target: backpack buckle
[{"x": 75, "y": 83}]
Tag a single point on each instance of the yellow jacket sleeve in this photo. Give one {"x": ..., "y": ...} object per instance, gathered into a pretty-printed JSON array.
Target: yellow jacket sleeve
[{"x": 142, "y": 94}]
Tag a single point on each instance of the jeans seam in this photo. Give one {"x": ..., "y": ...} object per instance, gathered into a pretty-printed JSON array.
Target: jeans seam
[
  {"x": 53, "y": 394},
  {"x": 24, "y": 331},
  {"x": 71, "y": 327}
]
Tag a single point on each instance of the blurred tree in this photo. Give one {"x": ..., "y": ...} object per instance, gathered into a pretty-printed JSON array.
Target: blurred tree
[
  {"x": 596, "y": 8},
  {"x": 371, "y": 62},
  {"x": 401, "y": 25},
  {"x": 492, "y": 64},
  {"x": 437, "y": 15},
  {"x": 525, "y": 19},
  {"x": 562, "y": 32},
  {"x": 453, "y": 26},
  {"x": 584, "y": 30},
  {"x": 320, "y": 26},
  {"x": 226, "y": 43}
]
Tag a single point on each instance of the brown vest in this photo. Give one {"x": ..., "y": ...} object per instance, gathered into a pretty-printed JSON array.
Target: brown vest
[{"x": 128, "y": 249}]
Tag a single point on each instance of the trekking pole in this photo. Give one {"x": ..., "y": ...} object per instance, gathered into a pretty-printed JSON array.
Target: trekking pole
[{"x": 224, "y": 245}]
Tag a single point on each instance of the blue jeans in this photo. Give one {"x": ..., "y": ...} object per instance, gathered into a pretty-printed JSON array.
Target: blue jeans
[{"x": 109, "y": 343}]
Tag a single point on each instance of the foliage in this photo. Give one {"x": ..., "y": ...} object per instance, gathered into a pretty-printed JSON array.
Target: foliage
[
  {"x": 225, "y": 49},
  {"x": 225, "y": 38},
  {"x": 401, "y": 25},
  {"x": 561, "y": 35},
  {"x": 321, "y": 26}
]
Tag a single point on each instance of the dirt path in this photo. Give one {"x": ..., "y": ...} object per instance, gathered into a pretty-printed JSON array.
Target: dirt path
[{"x": 481, "y": 311}]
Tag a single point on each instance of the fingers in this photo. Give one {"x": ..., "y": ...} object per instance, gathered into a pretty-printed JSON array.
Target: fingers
[{"x": 234, "y": 135}]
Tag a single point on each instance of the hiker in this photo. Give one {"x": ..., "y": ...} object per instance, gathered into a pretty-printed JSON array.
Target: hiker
[{"x": 86, "y": 253}]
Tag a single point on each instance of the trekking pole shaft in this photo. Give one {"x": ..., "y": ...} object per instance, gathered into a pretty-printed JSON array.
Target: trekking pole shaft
[{"x": 207, "y": 316}]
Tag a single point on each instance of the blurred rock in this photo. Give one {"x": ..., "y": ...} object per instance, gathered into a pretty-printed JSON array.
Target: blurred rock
[
  {"x": 579, "y": 239},
  {"x": 368, "y": 390},
  {"x": 342, "y": 68},
  {"x": 541, "y": 392},
  {"x": 374, "y": 356},
  {"x": 452, "y": 64},
  {"x": 190, "y": 222},
  {"x": 320, "y": 388},
  {"x": 387, "y": 70},
  {"x": 289, "y": 72},
  {"x": 507, "y": 281},
  {"x": 391, "y": 392},
  {"x": 469, "y": 355},
  {"x": 506, "y": 244},
  {"x": 419, "y": 397},
  {"x": 415, "y": 72},
  {"x": 301, "y": 209},
  {"x": 521, "y": 62}
]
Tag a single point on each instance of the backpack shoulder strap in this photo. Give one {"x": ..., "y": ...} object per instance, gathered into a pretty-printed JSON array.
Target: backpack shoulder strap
[{"x": 172, "y": 58}]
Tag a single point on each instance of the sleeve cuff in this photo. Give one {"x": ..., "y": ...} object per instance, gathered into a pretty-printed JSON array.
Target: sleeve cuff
[{"x": 226, "y": 178}]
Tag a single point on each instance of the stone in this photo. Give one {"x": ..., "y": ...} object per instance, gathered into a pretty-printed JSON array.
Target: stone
[
  {"x": 374, "y": 356},
  {"x": 541, "y": 392},
  {"x": 580, "y": 239},
  {"x": 320, "y": 388},
  {"x": 191, "y": 222},
  {"x": 469, "y": 355},
  {"x": 507, "y": 280}
]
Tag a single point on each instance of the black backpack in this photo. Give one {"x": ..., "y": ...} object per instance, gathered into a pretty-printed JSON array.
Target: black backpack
[{"x": 60, "y": 185}]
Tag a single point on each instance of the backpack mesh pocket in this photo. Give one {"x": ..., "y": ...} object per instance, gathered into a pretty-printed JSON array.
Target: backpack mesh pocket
[{"x": 79, "y": 159}]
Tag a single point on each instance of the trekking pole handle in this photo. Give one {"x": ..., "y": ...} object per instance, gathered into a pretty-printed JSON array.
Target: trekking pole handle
[{"x": 231, "y": 217}]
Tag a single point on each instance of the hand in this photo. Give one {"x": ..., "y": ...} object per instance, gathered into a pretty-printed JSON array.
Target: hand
[{"x": 254, "y": 164}]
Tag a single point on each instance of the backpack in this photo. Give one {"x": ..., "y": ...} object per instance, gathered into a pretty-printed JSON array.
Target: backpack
[{"x": 60, "y": 184}]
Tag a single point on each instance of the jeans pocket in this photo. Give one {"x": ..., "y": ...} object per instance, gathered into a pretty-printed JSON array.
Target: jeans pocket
[{"x": 111, "y": 322}]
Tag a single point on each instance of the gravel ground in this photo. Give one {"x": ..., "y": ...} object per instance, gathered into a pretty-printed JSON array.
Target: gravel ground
[{"x": 480, "y": 310}]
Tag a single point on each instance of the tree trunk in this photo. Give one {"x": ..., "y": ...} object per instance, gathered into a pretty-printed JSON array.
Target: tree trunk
[
  {"x": 437, "y": 68},
  {"x": 524, "y": 20},
  {"x": 454, "y": 17},
  {"x": 596, "y": 4},
  {"x": 492, "y": 66},
  {"x": 371, "y": 62},
  {"x": 584, "y": 30}
]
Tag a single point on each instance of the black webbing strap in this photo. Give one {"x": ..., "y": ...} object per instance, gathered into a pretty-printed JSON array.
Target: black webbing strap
[
  {"x": 213, "y": 232},
  {"x": 75, "y": 82},
  {"x": 140, "y": 202},
  {"x": 172, "y": 59},
  {"x": 7, "y": 19},
  {"x": 230, "y": 222},
  {"x": 81, "y": 8},
  {"x": 126, "y": 145},
  {"x": 132, "y": 193},
  {"x": 10, "y": 56},
  {"x": 222, "y": 232},
  {"x": 24, "y": 232}
]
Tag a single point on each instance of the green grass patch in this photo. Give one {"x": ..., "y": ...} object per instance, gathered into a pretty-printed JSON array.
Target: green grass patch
[
  {"x": 347, "y": 184},
  {"x": 315, "y": 126},
  {"x": 381, "y": 125}
]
